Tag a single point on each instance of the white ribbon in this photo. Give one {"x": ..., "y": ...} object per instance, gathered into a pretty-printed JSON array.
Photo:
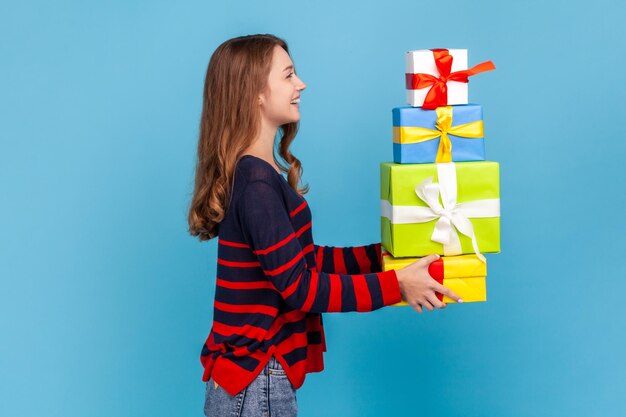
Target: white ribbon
[{"x": 452, "y": 216}]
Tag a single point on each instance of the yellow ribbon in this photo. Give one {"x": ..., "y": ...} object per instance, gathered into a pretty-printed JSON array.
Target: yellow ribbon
[{"x": 415, "y": 134}]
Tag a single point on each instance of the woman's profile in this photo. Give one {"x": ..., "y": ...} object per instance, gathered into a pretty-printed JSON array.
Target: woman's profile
[{"x": 273, "y": 282}]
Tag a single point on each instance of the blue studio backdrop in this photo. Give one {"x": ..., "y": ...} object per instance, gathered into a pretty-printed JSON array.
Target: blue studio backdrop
[{"x": 106, "y": 300}]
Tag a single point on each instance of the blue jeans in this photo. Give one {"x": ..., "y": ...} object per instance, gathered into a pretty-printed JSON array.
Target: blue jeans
[{"x": 270, "y": 394}]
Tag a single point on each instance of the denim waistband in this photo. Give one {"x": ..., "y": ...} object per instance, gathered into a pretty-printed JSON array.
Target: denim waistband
[{"x": 274, "y": 364}]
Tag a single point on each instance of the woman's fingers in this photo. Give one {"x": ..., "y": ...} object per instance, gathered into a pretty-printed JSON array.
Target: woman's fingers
[
  {"x": 427, "y": 305},
  {"x": 448, "y": 292},
  {"x": 416, "y": 307},
  {"x": 418, "y": 286},
  {"x": 432, "y": 298},
  {"x": 427, "y": 260}
]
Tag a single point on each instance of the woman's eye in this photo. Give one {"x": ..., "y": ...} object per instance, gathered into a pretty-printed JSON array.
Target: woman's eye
[{"x": 290, "y": 74}]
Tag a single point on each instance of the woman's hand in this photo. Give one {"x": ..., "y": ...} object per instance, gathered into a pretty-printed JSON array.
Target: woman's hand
[{"x": 418, "y": 288}]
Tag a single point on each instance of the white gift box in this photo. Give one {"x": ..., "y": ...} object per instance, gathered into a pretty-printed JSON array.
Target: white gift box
[{"x": 422, "y": 61}]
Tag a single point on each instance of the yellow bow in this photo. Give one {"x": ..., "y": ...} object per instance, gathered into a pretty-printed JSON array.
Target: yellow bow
[{"x": 414, "y": 134}]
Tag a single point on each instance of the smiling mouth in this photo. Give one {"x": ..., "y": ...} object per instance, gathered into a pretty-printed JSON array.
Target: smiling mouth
[{"x": 296, "y": 101}]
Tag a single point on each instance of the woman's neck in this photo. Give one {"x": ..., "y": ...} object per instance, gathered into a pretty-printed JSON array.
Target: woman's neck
[{"x": 263, "y": 146}]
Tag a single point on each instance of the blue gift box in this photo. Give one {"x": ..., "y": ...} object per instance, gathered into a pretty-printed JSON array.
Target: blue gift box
[{"x": 417, "y": 134}]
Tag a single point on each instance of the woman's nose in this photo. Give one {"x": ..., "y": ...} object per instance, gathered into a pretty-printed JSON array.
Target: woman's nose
[{"x": 301, "y": 84}]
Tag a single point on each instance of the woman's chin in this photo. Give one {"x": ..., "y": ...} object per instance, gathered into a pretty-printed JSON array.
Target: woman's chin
[{"x": 293, "y": 119}]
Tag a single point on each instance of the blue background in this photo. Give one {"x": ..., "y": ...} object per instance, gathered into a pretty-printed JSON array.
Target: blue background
[{"x": 105, "y": 299}]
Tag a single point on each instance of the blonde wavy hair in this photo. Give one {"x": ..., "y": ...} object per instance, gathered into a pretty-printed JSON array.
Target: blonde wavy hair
[{"x": 237, "y": 73}]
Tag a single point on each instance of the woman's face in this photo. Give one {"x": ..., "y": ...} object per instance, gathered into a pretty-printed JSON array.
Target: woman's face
[{"x": 283, "y": 87}]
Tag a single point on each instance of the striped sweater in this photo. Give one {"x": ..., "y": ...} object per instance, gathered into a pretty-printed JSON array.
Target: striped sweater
[{"x": 273, "y": 282}]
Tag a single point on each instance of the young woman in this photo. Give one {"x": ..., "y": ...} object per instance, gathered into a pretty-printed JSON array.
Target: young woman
[{"x": 272, "y": 281}]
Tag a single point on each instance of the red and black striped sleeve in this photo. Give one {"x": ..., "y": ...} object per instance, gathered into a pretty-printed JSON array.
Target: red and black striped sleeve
[
  {"x": 349, "y": 260},
  {"x": 271, "y": 236}
]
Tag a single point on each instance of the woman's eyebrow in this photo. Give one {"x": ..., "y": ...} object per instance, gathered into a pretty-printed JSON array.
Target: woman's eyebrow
[{"x": 289, "y": 67}]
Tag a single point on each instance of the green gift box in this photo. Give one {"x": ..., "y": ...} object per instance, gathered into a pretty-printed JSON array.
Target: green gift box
[{"x": 447, "y": 208}]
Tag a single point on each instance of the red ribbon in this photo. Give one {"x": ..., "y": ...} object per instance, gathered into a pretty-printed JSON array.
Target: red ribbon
[
  {"x": 437, "y": 96},
  {"x": 435, "y": 270}
]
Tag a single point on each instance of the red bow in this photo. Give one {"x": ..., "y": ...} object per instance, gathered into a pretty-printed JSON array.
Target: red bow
[{"x": 437, "y": 96}]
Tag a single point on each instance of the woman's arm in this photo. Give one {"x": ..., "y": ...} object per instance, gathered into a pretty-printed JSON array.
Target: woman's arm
[
  {"x": 349, "y": 260},
  {"x": 270, "y": 235}
]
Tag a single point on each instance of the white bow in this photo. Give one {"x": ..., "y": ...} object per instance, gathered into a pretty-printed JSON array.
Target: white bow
[{"x": 452, "y": 216}]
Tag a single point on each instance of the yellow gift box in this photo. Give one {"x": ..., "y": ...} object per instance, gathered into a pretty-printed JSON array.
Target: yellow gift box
[{"x": 466, "y": 275}]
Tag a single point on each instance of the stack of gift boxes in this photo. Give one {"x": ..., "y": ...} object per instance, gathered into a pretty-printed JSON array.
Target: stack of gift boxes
[{"x": 440, "y": 195}]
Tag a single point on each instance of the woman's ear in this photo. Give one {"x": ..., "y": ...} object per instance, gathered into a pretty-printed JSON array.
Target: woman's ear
[{"x": 263, "y": 97}]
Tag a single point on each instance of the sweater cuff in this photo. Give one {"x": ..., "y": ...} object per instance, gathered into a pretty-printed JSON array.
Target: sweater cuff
[
  {"x": 389, "y": 287},
  {"x": 379, "y": 255}
]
